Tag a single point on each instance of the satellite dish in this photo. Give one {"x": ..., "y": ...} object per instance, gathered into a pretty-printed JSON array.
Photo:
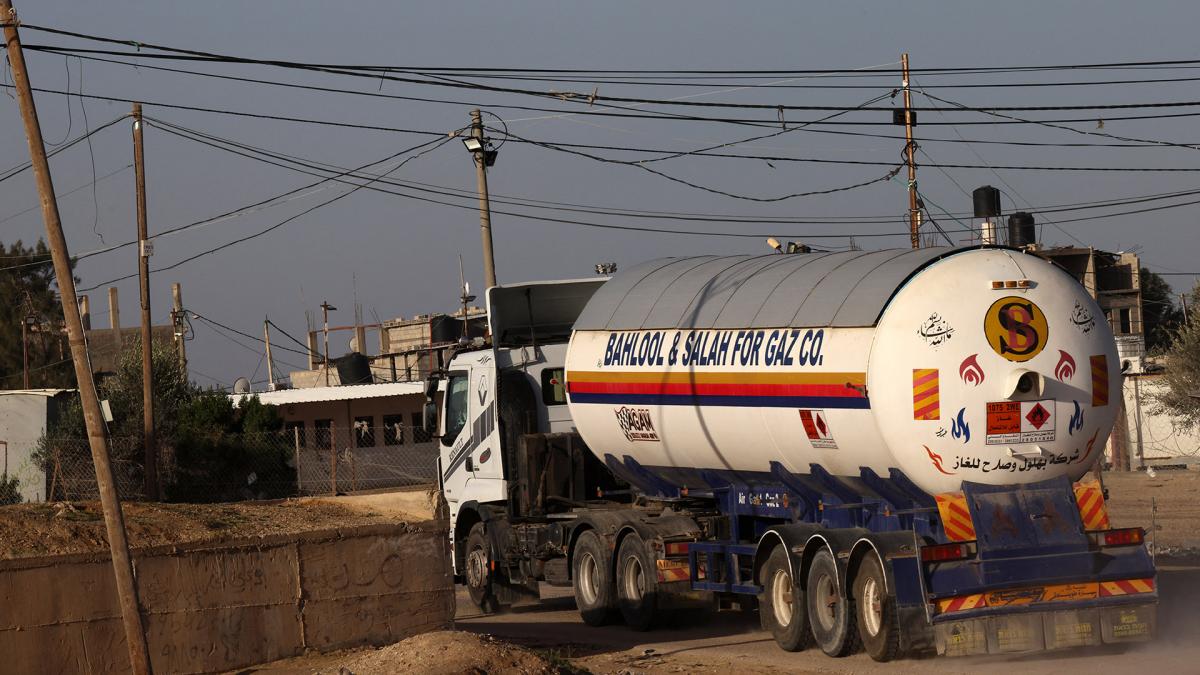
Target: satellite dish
[{"x": 241, "y": 386}]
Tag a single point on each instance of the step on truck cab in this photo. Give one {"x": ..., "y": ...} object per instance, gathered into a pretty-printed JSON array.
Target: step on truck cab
[{"x": 878, "y": 450}]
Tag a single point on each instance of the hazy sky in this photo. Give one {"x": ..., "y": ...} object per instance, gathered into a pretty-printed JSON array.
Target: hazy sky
[{"x": 399, "y": 256}]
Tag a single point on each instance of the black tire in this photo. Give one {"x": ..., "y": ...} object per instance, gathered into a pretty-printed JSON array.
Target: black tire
[
  {"x": 637, "y": 583},
  {"x": 591, "y": 578},
  {"x": 876, "y": 613},
  {"x": 781, "y": 608},
  {"x": 477, "y": 570},
  {"x": 830, "y": 613}
]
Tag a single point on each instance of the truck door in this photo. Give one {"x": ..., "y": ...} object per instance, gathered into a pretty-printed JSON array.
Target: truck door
[
  {"x": 487, "y": 457},
  {"x": 456, "y": 435}
]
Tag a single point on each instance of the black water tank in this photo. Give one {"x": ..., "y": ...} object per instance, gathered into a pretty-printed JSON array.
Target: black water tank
[
  {"x": 353, "y": 368},
  {"x": 987, "y": 201},
  {"x": 1021, "y": 230}
]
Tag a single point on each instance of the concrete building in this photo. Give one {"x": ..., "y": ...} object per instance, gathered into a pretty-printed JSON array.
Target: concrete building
[
  {"x": 1113, "y": 281},
  {"x": 356, "y": 437},
  {"x": 24, "y": 415}
]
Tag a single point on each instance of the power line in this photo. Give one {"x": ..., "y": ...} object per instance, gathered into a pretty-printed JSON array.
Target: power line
[
  {"x": 17, "y": 170},
  {"x": 68, "y": 193}
]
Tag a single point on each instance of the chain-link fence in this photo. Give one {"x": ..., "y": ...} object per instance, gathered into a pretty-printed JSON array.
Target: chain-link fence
[{"x": 235, "y": 467}]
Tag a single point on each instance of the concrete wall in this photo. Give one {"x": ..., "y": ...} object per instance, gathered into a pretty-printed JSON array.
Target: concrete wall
[{"x": 212, "y": 608}]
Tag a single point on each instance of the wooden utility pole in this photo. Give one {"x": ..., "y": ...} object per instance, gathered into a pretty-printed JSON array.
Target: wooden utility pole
[
  {"x": 485, "y": 210},
  {"x": 135, "y": 637},
  {"x": 150, "y": 481},
  {"x": 180, "y": 330},
  {"x": 914, "y": 211},
  {"x": 270, "y": 363},
  {"x": 25, "y": 352}
]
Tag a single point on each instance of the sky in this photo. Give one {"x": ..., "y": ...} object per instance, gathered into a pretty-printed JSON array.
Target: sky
[{"x": 398, "y": 256}]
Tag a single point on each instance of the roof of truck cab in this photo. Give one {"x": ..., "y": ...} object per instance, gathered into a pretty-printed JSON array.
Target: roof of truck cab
[{"x": 842, "y": 289}]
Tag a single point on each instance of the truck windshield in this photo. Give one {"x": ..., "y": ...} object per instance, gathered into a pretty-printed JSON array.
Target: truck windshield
[{"x": 456, "y": 406}]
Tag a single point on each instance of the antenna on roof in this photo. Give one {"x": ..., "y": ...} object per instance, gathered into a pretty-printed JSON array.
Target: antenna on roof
[{"x": 466, "y": 297}]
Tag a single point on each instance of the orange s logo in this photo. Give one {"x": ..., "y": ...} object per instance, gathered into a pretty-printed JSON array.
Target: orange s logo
[{"x": 1016, "y": 328}]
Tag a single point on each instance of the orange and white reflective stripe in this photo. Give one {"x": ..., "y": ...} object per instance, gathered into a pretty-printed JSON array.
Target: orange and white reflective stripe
[
  {"x": 1099, "y": 380},
  {"x": 673, "y": 570},
  {"x": 926, "y": 405},
  {"x": 1126, "y": 587},
  {"x": 956, "y": 519},
  {"x": 961, "y": 603},
  {"x": 1092, "y": 510}
]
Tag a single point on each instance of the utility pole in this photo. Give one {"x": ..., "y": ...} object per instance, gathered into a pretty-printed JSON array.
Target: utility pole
[
  {"x": 270, "y": 363},
  {"x": 177, "y": 320},
  {"x": 485, "y": 210},
  {"x": 151, "y": 448},
  {"x": 326, "y": 308},
  {"x": 914, "y": 212},
  {"x": 25, "y": 351},
  {"x": 135, "y": 637},
  {"x": 1187, "y": 320}
]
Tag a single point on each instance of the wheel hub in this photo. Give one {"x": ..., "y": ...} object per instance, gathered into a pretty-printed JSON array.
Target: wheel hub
[
  {"x": 781, "y": 597},
  {"x": 634, "y": 584},
  {"x": 872, "y": 607},
  {"x": 588, "y": 578},
  {"x": 477, "y": 565},
  {"x": 827, "y": 601}
]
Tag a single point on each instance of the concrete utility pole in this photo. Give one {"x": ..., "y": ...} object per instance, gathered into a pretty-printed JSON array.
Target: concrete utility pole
[
  {"x": 177, "y": 319},
  {"x": 151, "y": 447},
  {"x": 326, "y": 308},
  {"x": 25, "y": 352},
  {"x": 485, "y": 210},
  {"x": 270, "y": 362},
  {"x": 914, "y": 212},
  {"x": 135, "y": 637}
]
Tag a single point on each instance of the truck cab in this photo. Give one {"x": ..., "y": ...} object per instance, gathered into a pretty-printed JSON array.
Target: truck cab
[{"x": 494, "y": 391}]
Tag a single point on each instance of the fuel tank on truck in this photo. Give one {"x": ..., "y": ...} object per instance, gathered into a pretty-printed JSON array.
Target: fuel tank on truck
[{"x": 983, "y": 364}]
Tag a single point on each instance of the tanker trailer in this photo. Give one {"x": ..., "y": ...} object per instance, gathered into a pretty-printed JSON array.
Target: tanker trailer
[{"x": 887, "y": 450}]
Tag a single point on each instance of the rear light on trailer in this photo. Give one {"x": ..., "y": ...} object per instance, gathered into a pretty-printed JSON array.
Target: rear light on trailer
[
  {"x": 1130, "y": 536},
  {"x": 948, "y": 552},
  {"x": 676, "y": 548}
]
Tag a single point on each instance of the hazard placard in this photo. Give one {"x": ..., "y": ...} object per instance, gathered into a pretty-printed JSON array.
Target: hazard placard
[
  {"x": 1015, "y": 422},
  {"x": 816, "y": 426}
]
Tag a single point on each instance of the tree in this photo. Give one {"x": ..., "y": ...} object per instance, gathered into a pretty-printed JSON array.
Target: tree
[
  {"x": 1181, "y": 396},
  {"x": 1160, "y": 316},
  {"x": 29, "y": 289},
  {"x": 209, "y": 450}
]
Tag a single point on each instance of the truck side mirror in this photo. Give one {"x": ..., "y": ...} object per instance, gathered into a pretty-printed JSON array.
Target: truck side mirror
[
  {"x": 431, "y": 387},
  {"x": 429, "y": 418}
]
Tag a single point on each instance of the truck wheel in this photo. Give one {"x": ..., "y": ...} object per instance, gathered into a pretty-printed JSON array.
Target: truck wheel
[
  {"x": 594, "y": 593},
  {"x": 781, "y": 608},
  {"x": 478, "y": 570},
  {"x": 637, "y": 582},
  {"x": 830, "y": 612},
  {"x": 876, "y": 611}
]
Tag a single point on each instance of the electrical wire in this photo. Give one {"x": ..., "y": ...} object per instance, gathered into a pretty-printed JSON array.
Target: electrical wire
[
  {"x": 21, "y": 168},
  {"x": 68, "y": 193}
]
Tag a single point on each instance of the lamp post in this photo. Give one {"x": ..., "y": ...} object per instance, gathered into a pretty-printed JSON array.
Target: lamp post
[
  {"x": 326, "y": 308},
  {"x": 484, "y": 157}
]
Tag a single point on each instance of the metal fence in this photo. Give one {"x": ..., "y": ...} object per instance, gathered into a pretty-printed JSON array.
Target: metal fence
[{"x": 251, "y": 466}]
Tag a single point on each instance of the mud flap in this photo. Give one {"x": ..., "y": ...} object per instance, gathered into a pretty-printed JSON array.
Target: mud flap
[{"x": 1128, "y": 624}]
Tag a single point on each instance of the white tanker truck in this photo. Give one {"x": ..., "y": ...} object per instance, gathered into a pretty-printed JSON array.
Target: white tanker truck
[{"x": 883, "y": 450}]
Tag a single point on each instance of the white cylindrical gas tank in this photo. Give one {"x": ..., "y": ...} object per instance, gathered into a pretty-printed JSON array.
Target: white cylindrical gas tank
[{"x": 988, "y": 365}]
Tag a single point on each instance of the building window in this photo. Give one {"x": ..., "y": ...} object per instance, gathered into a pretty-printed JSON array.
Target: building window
[
  {"x": 322, "y": 433},
  {"x": 420, "y": 435},
  {"x": 554, "y": 386},
  {"x": 1125, "y": 326},
  {"x": 393, "y": 429},
  {"x": 295, "y": 433},
  {"x": 364, "y": 432}
]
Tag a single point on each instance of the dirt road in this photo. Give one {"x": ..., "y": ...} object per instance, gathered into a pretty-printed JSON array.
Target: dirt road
[{"x": 731, "y": 642}]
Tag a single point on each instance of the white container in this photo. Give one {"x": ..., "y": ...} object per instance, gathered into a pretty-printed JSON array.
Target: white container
[{"x": 955, "y": 381}]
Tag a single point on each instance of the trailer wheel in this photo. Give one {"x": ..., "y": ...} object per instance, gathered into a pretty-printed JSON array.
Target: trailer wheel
[
  {"x": 876, "y": 611},
  {"x": 830, "y": 612},
  {"x": 478, "y": 570},
  {"x": 781, "y": 608},
  {"x": 594, "y": 593},
  {"x": 637, "y": 583}
]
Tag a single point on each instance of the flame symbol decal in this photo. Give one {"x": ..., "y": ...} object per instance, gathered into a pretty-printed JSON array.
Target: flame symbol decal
[
  {"x": 959, "y": 427},
  {"x": 1089, "y": 446},
  {"x": 1076, "y": 421},
  {"x": 970, "y": 372},
  {"x": 937, "y": 460},
  {"x": 1065, "y": 368}
]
